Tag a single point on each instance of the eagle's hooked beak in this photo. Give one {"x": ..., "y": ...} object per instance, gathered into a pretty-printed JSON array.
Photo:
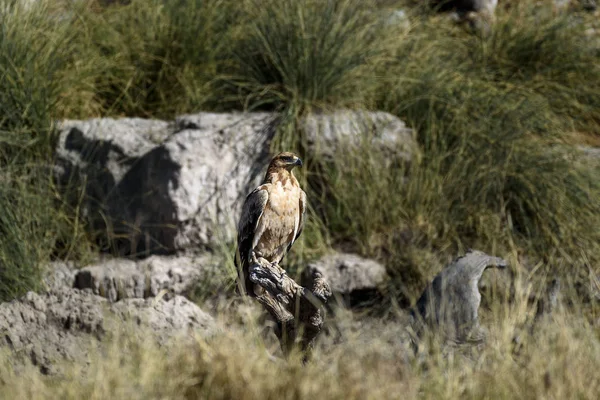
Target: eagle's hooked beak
[{"x": 298, "y": 162}]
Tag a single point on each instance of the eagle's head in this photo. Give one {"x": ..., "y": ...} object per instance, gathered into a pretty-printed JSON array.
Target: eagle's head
[{"x": 285, "y": 160}]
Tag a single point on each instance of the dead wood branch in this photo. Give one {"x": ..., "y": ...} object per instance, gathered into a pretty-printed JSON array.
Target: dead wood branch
[{"x": 297, "y": 310}]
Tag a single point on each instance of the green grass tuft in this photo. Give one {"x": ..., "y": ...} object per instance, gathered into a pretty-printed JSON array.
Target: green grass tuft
[{"x": 308, "y": 53}]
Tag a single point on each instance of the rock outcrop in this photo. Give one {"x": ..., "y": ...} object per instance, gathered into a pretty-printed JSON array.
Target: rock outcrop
[
  {"x": 119, "y": 278},
  {"x": 352, "y": 279},
  {"x": 152, "y": 187},
  {"x": 68, "y": 324},
  {"x": 327, "y": 132}
]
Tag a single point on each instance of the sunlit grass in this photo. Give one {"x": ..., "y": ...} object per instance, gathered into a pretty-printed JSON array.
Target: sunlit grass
[
  {"x": 557, "y": 357},
  {"x": 496, "y": 118}
]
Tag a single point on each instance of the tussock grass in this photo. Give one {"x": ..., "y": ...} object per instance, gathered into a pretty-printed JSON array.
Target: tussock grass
[
  {"x": 493, "y": 123},
  {"x": 496, "y": 118},
  {"x": 558, "y": 358},
  {"x": 309, "y": 53},
  {"x": 21, "y": 227},
  {"x": 156, "y": 58},
  {"x": 37, "y": 72}
]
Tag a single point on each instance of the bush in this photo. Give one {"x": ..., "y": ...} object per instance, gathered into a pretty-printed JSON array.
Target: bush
[
  {"x": 495, "y": 170},
  {"x": 37, "y": 74},
  {"x": 158, "y": 58},
  {"x": 494, "y": 115},
  {"x": 308, "y": 53}
]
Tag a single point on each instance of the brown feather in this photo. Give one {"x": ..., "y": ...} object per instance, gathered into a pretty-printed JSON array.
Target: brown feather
[{"x": 272, "y": 217}]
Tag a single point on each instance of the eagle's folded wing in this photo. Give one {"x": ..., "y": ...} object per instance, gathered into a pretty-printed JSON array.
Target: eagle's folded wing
[
  {"x": 252, "y": 211},
  {"x": 301, "y": 219}
]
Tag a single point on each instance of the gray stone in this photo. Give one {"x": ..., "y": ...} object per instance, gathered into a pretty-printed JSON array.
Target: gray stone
[
  {"x": 588, "y": 5},
  {"x": 593, "y": 153},
  {"x": 154, "y": 187},
  {"x": 450, "y": 303},
  {"x": 68, "y": 324},
  {"x": 477, "y": 15},
  {"x": 551, "y": 301},
  {"x": 117, "y": 279},
  {"x": 398, "y": 18},
  {"x": 112, "y": 279},
  {"x": 327, "y": 132},
  {"x": 353, "y": 278},
  {"x": 165, "y": 318},
  {"x": 59, "y": 275}
]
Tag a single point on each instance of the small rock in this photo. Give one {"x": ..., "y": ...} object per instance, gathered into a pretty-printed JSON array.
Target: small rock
[
  {"x": 465, "y": 6},
  {"x": 592, "y": 153},
  {"x": 59, "y": 274},
  {"x": 355, "y": 279}
]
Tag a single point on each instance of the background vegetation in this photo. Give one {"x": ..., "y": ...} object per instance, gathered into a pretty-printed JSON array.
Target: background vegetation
[{"x": 498, "y": 118}]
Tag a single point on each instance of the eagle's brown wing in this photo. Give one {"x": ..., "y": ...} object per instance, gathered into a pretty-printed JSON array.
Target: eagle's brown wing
[
  {"x": 301, "y": 219},
  {"x": 252, "y": 211}
]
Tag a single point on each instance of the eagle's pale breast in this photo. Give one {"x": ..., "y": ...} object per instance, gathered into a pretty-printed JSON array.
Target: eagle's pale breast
[{"x": 279, "y": 220}]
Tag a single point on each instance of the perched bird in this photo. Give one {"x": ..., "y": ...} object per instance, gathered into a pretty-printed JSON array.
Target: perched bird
[{"x": 272, "y": 218}]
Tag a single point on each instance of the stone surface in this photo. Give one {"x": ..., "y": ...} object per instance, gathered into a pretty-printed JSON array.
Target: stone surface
[
  {"x": 165, "y": 318},
  {"x": 450, "y": 303},
  {"x": 587, "y": 5},
  {"x": 59, "y": 275},
  {"x": 326, "y": 132},
  {"x": 152, "y": 187},
  {"x": 353, "y": 278},
  {"x": 68, "y": 324},
  {"x": 117, "y": 279},
  {"x": 590, "y": 152}
]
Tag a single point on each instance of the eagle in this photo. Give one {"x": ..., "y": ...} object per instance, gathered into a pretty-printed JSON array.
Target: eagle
[{"x": 272, "y": 219}]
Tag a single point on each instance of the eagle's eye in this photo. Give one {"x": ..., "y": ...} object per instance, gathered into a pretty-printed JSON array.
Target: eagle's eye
[{"x": 288, "y": 159}]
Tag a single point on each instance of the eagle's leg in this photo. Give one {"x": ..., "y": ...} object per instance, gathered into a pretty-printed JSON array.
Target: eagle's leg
[
  {"x": 275, "y": 264},
  {"x": 255, "y": 257}
]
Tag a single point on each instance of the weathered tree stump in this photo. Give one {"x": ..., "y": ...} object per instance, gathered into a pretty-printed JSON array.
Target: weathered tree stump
[
  {"x": 298, "y": 311},
  {"x": 450, "y": 303}
]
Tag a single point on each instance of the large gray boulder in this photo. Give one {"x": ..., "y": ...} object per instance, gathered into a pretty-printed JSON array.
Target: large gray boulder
[
  {"x": 153, "y": 187},
  {"x": 353, "y": 279},
  {"x": 69, "y": 324}
]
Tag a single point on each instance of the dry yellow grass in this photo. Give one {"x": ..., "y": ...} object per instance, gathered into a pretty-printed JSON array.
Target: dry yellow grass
[
  {"x": 556, "y": 358},
  {"x": 480, "y": 108}
]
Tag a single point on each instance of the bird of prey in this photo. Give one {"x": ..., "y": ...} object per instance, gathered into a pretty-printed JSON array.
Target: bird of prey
[{"x": 272, "y": 218}]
